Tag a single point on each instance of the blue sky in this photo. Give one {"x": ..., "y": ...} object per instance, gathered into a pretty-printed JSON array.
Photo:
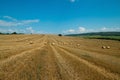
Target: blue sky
[{"x": 59, "y": 16}]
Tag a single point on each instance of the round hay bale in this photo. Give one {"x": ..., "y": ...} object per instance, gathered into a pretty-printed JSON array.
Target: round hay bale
[
  {"x": 78, "y": 44},
  {"x": 103, "y": 47},
  {"x": 31, "y": 42},
  {"x": 53, "y": 43},
  {"x": 108, "y": 47}
]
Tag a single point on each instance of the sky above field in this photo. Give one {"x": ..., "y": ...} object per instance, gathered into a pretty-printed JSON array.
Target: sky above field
[{"x": 59, "y": 16}]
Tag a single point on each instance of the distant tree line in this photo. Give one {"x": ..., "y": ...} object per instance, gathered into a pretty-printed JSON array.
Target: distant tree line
[
  {"x": 10, "y": 33},
  {"x": 97, "y": 33}
]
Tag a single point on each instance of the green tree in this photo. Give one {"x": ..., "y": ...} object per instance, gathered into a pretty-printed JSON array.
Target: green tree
[
  {"x": 14, "y": 33},
  {"x": 59, "y": 34}
]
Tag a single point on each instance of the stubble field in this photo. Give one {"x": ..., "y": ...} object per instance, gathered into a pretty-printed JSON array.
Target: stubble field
[{"x": 50, "y": 57}]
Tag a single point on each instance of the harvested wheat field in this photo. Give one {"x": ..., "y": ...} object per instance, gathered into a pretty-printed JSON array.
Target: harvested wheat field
[{"x": 50, "y": 57}]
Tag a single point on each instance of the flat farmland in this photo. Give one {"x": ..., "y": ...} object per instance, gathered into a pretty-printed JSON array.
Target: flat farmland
[{"x": 50, "y": 57}]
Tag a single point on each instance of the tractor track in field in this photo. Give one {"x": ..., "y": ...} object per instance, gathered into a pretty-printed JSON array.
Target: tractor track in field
[
  {"x": 22, "y": 53},
  {"x": 65, "y": 68},
  {"x": 18, "y": 61},
  {"x": 100, "y": 70}
]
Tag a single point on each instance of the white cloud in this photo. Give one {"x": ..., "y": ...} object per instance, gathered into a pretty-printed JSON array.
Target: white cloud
[
  {"x": 71, "y": 30},
  {"x": 81, "y": 29},
  {"x": 40, "y": 32},
  {"x": 14, "y": 22},
  {"x": 30, "y": 30},
  {"x": 84, "y": 30},
  {"x": 30, "y": 21},
  {"x": 10, "y": 18},
  {"x": 11, "y": 30},
  {"x": 110, "y": 29},
  {"x": 104, "y": 29},
  {"x": 8, "y": 24}
]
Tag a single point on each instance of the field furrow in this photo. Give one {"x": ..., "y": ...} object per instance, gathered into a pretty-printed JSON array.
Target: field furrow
[{"x": 98, "y": 70}]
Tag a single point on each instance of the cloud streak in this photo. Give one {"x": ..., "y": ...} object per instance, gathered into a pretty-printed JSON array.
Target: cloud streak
[
  {"x": 81, "y": 29},
  {"x": 75, "y": 31},
  {"x": 14, "y": 22},
  {"x": 8, "y": 24},
  {"x": 30, "y": 21},
  {"x": 70, "y": 31},
  {"x": 10, "y": 18},
  {"x": 84, "y": 30},
  {"x": 110, "y": 29}
]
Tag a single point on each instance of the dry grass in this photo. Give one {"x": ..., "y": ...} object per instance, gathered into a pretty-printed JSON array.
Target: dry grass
[{"x": 20, "y": 60}]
